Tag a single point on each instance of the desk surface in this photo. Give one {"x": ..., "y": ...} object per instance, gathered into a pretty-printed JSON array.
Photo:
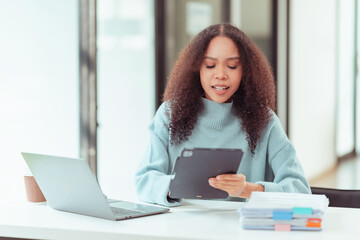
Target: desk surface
[{"x": 196, "y": 219}]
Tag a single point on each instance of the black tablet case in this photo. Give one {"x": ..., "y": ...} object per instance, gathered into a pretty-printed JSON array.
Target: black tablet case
[{"x": 195, "y": 166}]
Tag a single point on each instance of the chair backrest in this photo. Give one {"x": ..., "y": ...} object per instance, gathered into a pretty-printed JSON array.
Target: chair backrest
[{"x": 339, "y": 197}]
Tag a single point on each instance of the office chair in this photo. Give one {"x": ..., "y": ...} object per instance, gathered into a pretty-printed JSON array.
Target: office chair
[{"x": 339, "y": 197}]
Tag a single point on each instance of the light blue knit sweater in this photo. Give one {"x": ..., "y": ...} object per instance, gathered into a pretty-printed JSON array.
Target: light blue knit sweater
[{"x": 274, "y": 164}]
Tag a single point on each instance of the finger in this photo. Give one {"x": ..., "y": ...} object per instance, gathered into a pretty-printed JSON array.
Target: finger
[
  {"x": 230, "y": 183},
  {"x": 216, "y": 180},
  {"x": 228, "y": 186},
  {"x": 231, "y": 190},
  {"x": 217, "y": 184},
  {"x": 225, "y": 186},
  {"x": 231, "y": 177}
]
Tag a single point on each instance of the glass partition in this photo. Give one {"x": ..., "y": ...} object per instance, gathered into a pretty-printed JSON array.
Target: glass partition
[
  {"x": 345, "y": 82},
  {"x": 126, "y": 88},
  {"x": 357, "y": 94},
  {"x": 255, "y": 18}
]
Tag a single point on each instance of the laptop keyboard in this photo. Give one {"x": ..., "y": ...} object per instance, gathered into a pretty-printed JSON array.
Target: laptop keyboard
[{"x": 124, "y": 212}]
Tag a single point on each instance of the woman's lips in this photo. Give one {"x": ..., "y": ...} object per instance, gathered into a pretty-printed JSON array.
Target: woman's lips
[{"x": 220, "y": 90}]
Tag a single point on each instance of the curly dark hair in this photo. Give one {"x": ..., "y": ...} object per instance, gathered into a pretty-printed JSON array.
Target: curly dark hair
[{"x": 251, "y": 102}]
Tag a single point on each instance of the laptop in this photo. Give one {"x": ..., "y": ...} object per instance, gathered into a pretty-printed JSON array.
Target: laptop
[{"x": 68, "y": 184}]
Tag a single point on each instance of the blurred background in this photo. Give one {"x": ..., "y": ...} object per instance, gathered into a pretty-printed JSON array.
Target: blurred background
[{"x": 83, "y": 78}]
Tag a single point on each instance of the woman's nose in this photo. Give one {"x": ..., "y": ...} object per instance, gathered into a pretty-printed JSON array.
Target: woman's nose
[{"x": 221, "y": 74}]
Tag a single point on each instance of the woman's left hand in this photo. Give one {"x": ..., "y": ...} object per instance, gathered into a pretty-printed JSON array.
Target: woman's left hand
[{"x": 233, "y": 184}]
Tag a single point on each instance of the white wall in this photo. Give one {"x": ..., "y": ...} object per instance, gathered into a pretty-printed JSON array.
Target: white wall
[
  {"x": 312, "y": 83},
  {"x": 38, "y": 85}
]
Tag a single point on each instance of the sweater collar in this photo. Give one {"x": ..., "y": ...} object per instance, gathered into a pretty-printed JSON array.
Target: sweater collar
[{"x": 216, "y": 115}]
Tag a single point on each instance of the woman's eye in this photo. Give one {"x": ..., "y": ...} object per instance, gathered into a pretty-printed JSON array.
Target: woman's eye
[
  {"x": 232, "y": 67},
  {"x": 210, "y": 66}
]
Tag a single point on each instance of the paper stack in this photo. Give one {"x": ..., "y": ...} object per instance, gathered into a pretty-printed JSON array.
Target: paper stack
[{"x": 283, "y": 211}]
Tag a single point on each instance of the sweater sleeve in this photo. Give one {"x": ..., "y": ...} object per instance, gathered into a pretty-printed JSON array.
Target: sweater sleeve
[
  {"x": 288, "y": 173},
  {"x": 151, "y": 179}
]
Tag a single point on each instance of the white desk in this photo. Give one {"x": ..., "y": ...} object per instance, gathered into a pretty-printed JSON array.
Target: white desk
[{"x": 196, "y": 219}]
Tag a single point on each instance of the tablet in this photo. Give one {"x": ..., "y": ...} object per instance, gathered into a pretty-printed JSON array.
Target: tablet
[{"x": 194, "y": 167}]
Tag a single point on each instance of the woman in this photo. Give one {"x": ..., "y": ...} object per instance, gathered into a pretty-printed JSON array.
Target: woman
[{"x": 221, "y": 94}]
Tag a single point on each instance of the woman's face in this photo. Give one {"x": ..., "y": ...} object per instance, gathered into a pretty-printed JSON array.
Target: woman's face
[{"x": 220, "y": 71}]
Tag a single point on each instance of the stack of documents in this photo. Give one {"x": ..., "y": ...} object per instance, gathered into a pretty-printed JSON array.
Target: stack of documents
[{"x": 283, "y": 211}]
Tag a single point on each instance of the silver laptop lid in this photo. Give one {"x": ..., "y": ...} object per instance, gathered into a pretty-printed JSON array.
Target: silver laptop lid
[{"x": 68, "y": 184}]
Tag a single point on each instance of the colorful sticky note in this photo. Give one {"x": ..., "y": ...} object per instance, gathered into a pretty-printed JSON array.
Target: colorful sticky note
[
  {"x": 282, "y": 227},
  {"x": 314, "y": 222},
  {"x": 282, "y": 215},
  {"x": 302, "y": 211}
]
